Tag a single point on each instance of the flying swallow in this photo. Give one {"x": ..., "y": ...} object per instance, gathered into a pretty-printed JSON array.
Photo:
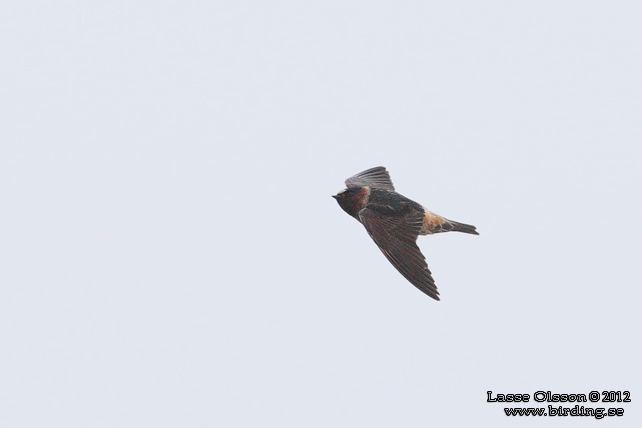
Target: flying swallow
[{"x": 394, "y": 222}]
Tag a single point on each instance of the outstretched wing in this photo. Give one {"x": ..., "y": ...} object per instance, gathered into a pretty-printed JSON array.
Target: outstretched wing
[
  {"x": 376, "y": 177},
  {"x": 396, "y": 235}
]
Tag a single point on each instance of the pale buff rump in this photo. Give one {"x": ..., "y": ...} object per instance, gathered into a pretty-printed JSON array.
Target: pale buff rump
[{"x": 431, "y": 221}]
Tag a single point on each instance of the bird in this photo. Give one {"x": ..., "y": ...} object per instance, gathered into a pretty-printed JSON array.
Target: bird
[{"x": 394, "y": 223}]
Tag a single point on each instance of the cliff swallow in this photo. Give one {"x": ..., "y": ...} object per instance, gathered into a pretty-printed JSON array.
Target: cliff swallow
[{"x": 394, "y": 222}]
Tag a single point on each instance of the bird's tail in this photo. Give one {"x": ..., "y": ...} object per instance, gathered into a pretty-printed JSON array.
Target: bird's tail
[{"x": 461, "y": 227}]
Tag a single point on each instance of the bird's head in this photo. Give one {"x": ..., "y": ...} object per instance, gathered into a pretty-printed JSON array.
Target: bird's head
[{"x": 353, "y": 199}]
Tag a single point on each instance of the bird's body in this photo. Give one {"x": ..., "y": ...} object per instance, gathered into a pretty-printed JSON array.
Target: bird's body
[{"x": 394, "y": 222}]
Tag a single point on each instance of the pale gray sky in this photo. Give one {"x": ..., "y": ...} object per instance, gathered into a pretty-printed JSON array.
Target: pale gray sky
[{"x": 171, "y": 255}]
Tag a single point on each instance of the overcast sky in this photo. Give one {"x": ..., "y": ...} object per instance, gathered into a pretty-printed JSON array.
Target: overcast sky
[{"x": 171, "y": 256}]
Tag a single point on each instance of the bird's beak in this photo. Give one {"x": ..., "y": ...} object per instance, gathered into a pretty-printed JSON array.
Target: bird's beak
[{"x": 335, "y": 196}]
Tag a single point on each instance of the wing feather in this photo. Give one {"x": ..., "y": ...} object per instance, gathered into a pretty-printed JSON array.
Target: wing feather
[
  {"x": 396, "y": 237},
  {"x": 376, "y": 177}
]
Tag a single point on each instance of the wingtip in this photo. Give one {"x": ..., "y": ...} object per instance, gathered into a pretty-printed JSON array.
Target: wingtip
[{"x": 429, "y": 290}]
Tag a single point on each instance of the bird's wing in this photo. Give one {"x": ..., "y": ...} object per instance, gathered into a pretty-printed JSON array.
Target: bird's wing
[
  {"x": 376, "y": 177},
  {"x": 396, "y": 235}
]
